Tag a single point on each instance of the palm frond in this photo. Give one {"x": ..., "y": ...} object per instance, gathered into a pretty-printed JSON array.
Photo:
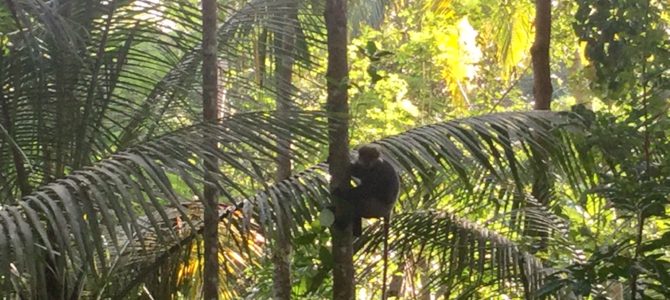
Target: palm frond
[
  {"x": 301, "y": 196},
  {"x": 461, "y": 256},
  {"x": 444, "y": 167},
  {"x": 75, "y": 229},
  {"x": 106, "y": 75}
]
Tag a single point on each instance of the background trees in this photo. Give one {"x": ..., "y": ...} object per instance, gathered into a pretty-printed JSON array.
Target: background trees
[{"x": 102, "y": 162}]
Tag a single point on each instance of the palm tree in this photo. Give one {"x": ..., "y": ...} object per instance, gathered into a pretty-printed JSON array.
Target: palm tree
[
  {"x": 337, "y": 103},
  {"x": 210, "y": 112},
  {"x": 542, "y": 88},
  {"x": 285, "y": 47}
]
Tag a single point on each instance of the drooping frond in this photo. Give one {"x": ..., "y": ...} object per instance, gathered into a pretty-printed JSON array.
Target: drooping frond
[
  {"x": 452, "y": 256},
  {"x": 460, "y": 166},
  {"x": 73, "y": 233},
  {"x": 247, "y": 230},
  {"x": 486, "y": 154}
]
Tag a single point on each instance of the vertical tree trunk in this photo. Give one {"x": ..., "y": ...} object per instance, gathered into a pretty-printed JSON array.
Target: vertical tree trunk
[
  {"x": 542, "y": 90},
  {"x": 261, "y": 53},
  {"x": 210, "y": 114},
  {"x": 338, "y": 152},
  {"x": 540, "y": 52},
  {"x": 284, "y": 47}
]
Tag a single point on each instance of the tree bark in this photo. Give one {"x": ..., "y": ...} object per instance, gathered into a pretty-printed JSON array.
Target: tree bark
[
  {"x": 338, "y": 152},
  {"x": 210, "y": 114},
  {"x": 284, "y": 43},
  {"x": 542, "y": 88}
]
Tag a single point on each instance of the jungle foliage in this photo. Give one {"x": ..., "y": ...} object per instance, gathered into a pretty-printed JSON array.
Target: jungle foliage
[{"x": 103, "y": 164}]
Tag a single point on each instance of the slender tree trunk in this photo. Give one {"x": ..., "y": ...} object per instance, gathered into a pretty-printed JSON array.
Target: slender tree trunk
[
  {"x": 261, "y": 53},
  {"x": 540, "y": 52},
  {"x": 542, "y": 90},
  {"x": 283, "y": 45},
  {"x": 338, "y": 152},
  {"x": 424, "y": 278},
  {"x": 210, "y": 114}
]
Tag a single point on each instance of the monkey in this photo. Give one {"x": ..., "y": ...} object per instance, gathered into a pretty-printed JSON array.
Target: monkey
[
  {"x": 374, "y": 196},
  {"x": 377, "y": 191}
]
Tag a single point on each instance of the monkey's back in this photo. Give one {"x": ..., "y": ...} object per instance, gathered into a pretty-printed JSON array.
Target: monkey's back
[{"x": 382, "y": 179}]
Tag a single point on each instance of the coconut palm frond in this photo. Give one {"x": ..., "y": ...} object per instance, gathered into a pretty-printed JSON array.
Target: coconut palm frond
[
  {"x": 453, "y": 256},
  {"x": 248, "y": 227},
  {"x": 162, "y": 272},
  {"x": 443, "y": 167},
  {"x": 73, "y": 232},
  {"x": 490, "y": 156},
  {"x": 123, "y": 199}
]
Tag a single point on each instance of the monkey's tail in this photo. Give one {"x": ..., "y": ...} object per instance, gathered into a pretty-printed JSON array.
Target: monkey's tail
[
  {"x": 357, "y": 226},
  {"x": 386, "y": 255}
]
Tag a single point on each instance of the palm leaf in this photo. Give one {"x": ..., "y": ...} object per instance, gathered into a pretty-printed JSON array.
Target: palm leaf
[
  {"x": 439, "y": 164},
  {"x": 106, "y": 75},
  {"x": 96, "y": 215},
  {"x": 463, "y": 257}
]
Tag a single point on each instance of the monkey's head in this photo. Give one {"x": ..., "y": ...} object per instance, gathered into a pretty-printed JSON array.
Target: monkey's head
[{"x": 368, "y": 155}]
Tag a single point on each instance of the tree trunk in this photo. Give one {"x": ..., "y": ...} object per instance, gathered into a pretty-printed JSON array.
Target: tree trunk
[
  {"x": 284, "y": 42},
  {"x": 542, "y": 90},
  {"x": 540, "y": 52},
  {"x": 338, "y": 152},
  {"x": 210, "y": 114}
]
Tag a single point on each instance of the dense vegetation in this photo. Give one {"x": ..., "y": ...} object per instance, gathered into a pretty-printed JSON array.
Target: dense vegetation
[{"x": 106, "y": 156}]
